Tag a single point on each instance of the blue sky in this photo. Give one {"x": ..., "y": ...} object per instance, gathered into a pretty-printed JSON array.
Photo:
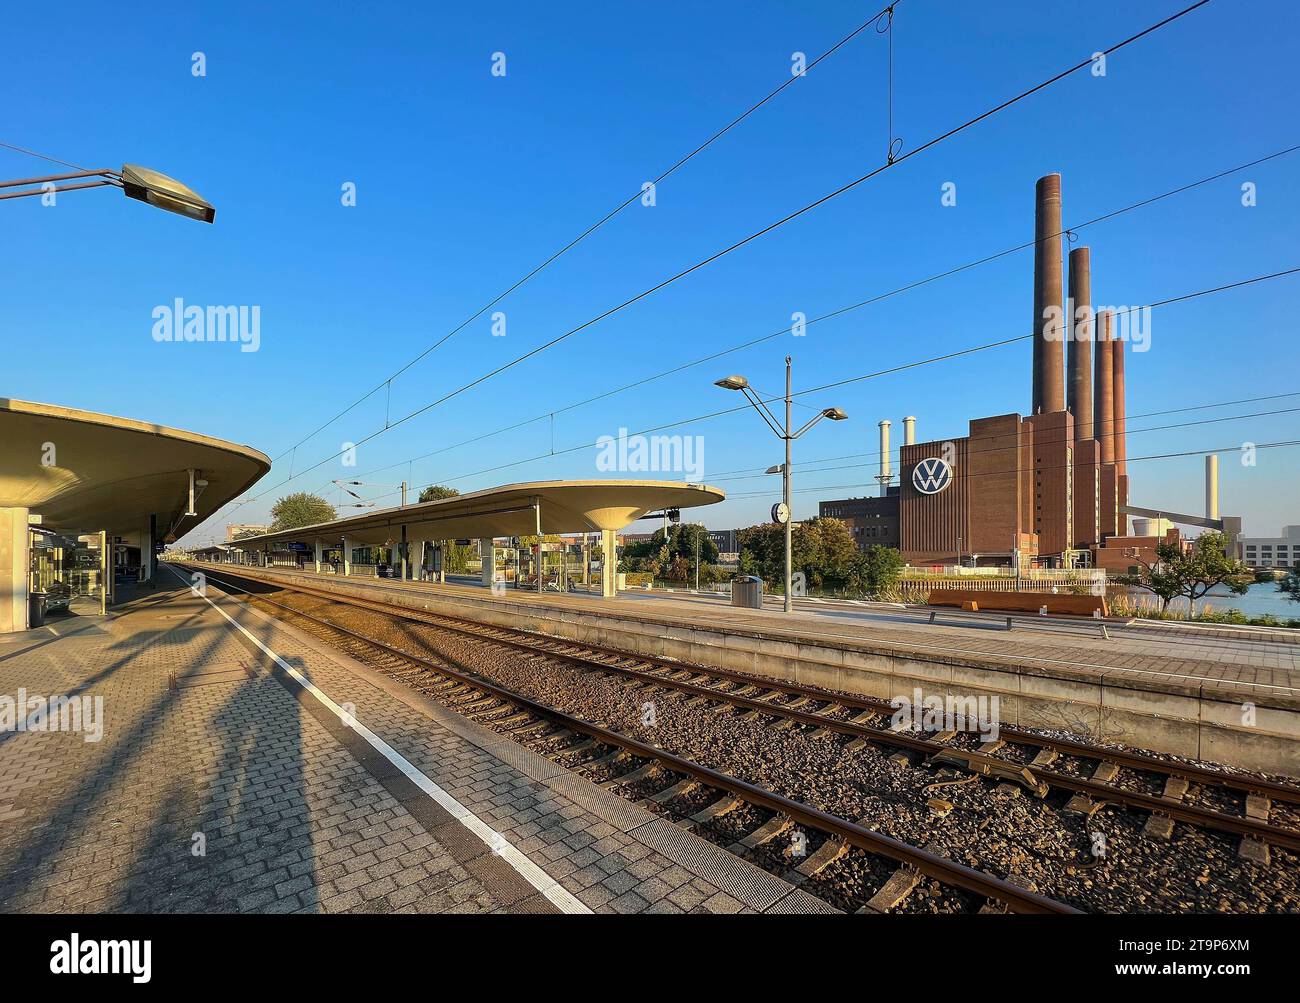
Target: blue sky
[{"x": 466, "y": 180}]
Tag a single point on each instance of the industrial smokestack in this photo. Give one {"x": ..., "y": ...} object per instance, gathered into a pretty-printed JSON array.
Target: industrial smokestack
[
  {"x": 1049, "y": 355},
  {"x": 1080, "y": 352},
  {"x": 1103, "y": 415},
  {"x": 909, "y": 431},
  {"x": 1119, "y": 408},
  {"x": 1212, "y": 486},
  {"x": 885, "y": 475}
]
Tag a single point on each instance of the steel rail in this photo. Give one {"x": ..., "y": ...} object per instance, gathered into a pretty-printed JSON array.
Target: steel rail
[
  {"x": 1126, "y": 759},
  {"x": 1102, "y": 792},
  {"x": 930, "y": 864}
]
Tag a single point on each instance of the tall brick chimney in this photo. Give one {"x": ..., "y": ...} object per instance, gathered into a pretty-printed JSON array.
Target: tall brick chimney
[
  {"x": 1104, "y": 398},
  {"x": 1118, "y": 406},
  {"x": 1079, "y": 386},
  {"x": 1049, "y": 354}
]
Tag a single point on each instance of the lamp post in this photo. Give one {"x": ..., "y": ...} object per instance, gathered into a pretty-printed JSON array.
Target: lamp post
[
  {"x": 782, "y": 432},
  {"x": 140, "y": 183}
]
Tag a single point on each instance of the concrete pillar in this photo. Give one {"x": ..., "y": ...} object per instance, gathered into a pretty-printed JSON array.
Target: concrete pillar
[
  {"x": 442, "y": 562},
  {"x": 489, "y": 551},
  {"x": 541, "y": 552},
  {"x": 406, "y": 562},
  {"x": 347, "y": 556},
  {"x": 419, "y": 565},
  {"x": 608, "y": 563},
  {"x": 317, "y": 549},
  {"x": 15, "y": 561},
  {"x": 148, "y": 565},
  {"x": 105, "y": 573}
]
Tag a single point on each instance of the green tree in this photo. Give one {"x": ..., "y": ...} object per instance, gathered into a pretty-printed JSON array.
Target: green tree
[
  {"x": 822, "y": 549},
  {"x": 437, "y": 492},
  {"x": 300, "y": 509},
  {"x": 667, "y": 556},
  {"x": 1291, "y": 586},
  {"x": 1190, "y": 572},
  {"x": 456, "y": 557},
  {"x": 876, "y": 572},
  {"x": 825, "y": 551}
]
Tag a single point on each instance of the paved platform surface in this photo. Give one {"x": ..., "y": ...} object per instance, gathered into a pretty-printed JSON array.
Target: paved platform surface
[
  {"x": 1261, "y": 663},
  {"x": 222, "y": 783}
]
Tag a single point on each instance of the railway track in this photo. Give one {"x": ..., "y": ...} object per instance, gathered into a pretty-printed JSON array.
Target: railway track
[
  {"x": 1131, "y": 779},
  {"x": 562, "y": 736}
]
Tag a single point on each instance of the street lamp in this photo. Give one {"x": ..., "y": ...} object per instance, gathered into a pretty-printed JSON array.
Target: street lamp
[
  {"x": 782, "y": 432},
  {"x": 140, "y": 183}
]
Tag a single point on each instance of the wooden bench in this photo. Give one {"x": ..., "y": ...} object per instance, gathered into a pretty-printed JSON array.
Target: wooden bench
[{"x": 1032, "y": 603}]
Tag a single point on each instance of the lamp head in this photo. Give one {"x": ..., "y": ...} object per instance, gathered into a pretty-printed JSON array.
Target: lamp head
[
  {"x": 157, "y": 189},
  {"x": 834, "y": 414},
  {"x": 732, "y": 383}
]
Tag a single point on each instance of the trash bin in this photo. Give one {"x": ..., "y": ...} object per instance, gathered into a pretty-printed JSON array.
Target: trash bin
[
  {"x": 35, "y": 610},
  {"x": 747, "y": 591}
]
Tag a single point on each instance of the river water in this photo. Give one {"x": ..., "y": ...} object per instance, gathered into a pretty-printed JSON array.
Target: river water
[{"x": 1260, "y": 598}]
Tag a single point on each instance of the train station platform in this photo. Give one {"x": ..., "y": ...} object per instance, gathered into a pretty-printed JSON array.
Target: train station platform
[
  {"x": 1220, "y": 694},
  {"x": 208, "y": 758}
]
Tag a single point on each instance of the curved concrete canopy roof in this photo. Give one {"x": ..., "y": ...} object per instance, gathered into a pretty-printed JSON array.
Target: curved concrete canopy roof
[
  {"x": 566, "y": 507},
  {"x": 113, "y": 473}
]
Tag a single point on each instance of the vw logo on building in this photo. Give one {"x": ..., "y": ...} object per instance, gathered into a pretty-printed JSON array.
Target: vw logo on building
[{"x": 931, "y": 475}]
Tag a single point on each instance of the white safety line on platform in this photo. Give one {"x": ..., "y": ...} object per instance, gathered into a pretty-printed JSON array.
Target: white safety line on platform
[{"x": 502, "y": 847}]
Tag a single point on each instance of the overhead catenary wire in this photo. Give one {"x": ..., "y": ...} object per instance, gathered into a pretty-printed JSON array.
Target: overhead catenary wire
[
  {"x": 1184, "y": 297},
  {"x": 42, "y": 156},
  {"x": 841, "y": 311},
  {"x": 751, "y": 473},
  {"x": 717, "y": 414},
  {"x": 959, "y": 353},
  {"x": 929, "y": 144},
  {"x": 967, "y": 475},
  {"x": 602, "y": 221}
]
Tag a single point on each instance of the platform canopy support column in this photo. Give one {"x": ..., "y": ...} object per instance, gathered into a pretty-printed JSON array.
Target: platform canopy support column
[
  {"x": 608, "y": 563},
  {"x": 148, "y": 562},
  {"x": 406, "y": 557},
  {"x": 537, "y": 525},
  {"x": 489, "y": 551},
  {"x": 317, "y": 547},
  {"x": 347, "y": 556},
  {"x": 442, "y": 562},
  {"x": 14, "y": 561}
]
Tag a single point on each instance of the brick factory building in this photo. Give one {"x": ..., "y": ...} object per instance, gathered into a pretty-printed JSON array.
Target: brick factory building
[
  {"x": 1045, "y": 489},
  {"x": 871, "y": 521}
]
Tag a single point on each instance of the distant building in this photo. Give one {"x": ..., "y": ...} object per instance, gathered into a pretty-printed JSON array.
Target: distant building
[
  {"x": 872, "y": 521},
  {"x": 1271, "y": 551},
  {"x": 233, "y": 531}
]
